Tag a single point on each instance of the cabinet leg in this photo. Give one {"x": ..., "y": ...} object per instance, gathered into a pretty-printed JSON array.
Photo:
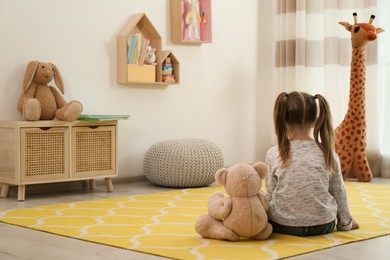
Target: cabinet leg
[
  {"x": 110, "y": 187},
  {"x": 21, "y": 192},
  {"x": 91, "y": 184},
  {"x": 4, "y": 190}
]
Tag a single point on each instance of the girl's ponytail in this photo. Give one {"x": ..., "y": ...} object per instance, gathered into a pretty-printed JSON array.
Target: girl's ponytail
[
  {"x": 323, "y": 129},
  {"x": 280, "y": 111}
]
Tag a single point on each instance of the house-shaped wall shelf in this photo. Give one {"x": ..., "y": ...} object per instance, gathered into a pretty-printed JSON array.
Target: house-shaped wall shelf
[
  {"x": 175, "y": 66},
  {"x": 198, "y": 33},
  {"x": 135, "y": 73}
]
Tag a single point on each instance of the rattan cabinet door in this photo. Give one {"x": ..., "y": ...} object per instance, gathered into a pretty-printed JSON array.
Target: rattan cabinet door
[
  {"x": 44, "y": 154},
  {"x": 93, "y": 152}
]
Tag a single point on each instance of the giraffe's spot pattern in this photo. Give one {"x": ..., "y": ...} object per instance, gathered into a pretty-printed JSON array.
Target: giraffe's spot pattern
[{"x": 351, "y": 134}]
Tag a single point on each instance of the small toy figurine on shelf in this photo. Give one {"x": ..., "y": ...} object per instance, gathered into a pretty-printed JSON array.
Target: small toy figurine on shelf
[
  {"x": 192, "y": 21},
  {"x": 167, "y": 70},
  {"x": 150, "y": 55}
]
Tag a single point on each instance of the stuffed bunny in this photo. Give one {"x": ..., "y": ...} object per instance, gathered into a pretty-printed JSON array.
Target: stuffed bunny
[
  {"x": 150, "y": 55},
  {"x": 39, "y": 101}
]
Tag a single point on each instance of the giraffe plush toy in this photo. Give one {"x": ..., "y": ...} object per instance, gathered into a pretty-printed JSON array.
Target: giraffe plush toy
[{"x": 351, "y": 133}]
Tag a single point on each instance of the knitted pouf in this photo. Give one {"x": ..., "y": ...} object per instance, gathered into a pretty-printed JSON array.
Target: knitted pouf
[{"x": 183, "y": 163}]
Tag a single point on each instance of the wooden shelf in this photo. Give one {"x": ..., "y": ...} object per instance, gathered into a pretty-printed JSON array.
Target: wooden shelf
[
  {"x": 180, "y": 30},
  {"x": 175, "y": 65},
  {"x": 132, "y": 73}
]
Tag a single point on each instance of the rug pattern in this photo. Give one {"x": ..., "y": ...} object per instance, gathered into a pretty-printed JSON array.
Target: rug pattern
[{"x": 163, "y": 224}]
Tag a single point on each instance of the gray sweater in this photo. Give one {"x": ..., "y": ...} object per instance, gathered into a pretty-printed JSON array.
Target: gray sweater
[{"x": 303, "y": 193}]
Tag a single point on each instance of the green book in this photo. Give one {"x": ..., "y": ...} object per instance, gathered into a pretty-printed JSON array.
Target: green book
[{"x": 88, "y": 117}]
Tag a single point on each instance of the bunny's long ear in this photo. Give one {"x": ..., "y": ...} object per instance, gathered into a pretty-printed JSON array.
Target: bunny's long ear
[
  {"x": 29, "y": 74},
  {"x": 57, "y": 78}
]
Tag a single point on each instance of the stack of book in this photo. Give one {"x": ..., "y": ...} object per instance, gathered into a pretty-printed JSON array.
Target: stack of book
[{"x": 138, "y": 45}]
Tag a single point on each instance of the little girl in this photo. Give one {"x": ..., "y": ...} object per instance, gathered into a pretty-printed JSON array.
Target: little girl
[{"x": 304, "y": 185}]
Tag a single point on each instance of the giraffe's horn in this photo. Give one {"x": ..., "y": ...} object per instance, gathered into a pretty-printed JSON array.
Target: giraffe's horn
[
  {"x": 371, "y": 19},
  {"x": 355, "y": 17}
]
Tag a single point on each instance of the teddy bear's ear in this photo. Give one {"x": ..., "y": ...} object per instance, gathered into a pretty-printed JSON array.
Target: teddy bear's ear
[
  {"x": 57, "y": 78},
  {"x": 29, "y": 74},
  {"x": 261, "y": 168},
  {"x": 220, "y": 176}
]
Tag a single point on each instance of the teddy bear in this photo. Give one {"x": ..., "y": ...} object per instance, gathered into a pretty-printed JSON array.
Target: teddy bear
[
  {"x": 39, "y": 101},
  {"x": 242, "y": 214}
]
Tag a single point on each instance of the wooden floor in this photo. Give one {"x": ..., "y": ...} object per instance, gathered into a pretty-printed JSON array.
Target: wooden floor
[{"x": 22, "y": 243}]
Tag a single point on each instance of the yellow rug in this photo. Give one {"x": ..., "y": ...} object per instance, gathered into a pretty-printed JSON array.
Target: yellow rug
[{"x": 163, "y": 224}]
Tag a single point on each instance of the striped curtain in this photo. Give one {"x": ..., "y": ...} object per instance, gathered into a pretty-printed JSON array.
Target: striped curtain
[{"x": 313, "y": 54}]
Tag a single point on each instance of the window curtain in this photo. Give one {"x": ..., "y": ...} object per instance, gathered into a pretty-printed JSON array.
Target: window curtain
[
  {"x": 384, "y": 84},
  {"x": 313, "y": 53}
]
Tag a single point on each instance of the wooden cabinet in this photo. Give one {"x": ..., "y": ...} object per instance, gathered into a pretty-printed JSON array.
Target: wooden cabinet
[
  {"x": 55, "y": 151},
  {"x": 185, "y": 31},
  {"x": 134, "y": 73}
]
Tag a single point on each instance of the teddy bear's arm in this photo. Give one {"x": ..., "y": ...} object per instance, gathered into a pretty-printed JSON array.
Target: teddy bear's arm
[
  {"x": 264, "y": 200},
  {"x": 60, "y": 101},
  {"x": 219, "y": 206}
]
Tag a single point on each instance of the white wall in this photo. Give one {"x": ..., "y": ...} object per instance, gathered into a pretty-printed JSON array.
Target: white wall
[{"x": 225, "y": 91}]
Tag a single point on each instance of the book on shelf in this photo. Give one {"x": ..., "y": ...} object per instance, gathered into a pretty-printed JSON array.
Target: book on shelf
[
  {"x": 144, "y": 48},
  {"x": 89, "y": 117},
  {"x": 130, "y": 52},
  {"x": 137, "y": 49}
]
